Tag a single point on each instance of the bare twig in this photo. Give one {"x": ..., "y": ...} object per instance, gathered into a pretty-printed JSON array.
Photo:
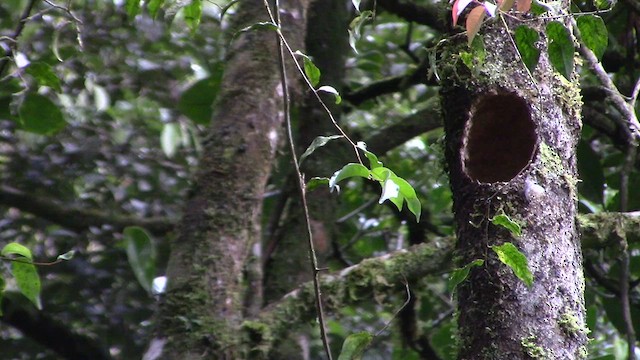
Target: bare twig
[
  {"x": 76, "y": 218},
  {"x": 630, "y": 120},
  {"x": 16, "y": 34},
  {"x": 301, "y": 183}
]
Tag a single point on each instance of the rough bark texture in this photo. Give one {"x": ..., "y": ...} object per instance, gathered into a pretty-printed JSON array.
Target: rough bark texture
[
  {"x": 202, "y": 310},
  {"x": 531, "y": 180}
]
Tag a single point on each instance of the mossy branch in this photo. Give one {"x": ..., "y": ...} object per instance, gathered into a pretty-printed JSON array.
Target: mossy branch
[
  {"x": 385, "y": 275},
  {"x": 75, "y": 218}
]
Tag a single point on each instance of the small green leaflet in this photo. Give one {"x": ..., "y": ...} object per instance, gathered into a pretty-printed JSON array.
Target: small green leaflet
[
  {"x": 506, "y": 222},
  {"x": 354, "y": 346},
  {"x": 28, "y": 281},
  {"x": 526, "y": 39},
  {"x": 40, "y": 115},
  {"x": 43, "y": 73},
  {"x": 373, "y": 159},
  {"x": 196, "y": 102},
  {"x": 267, "y": 25},
  {"x": 154, "y": 6},
  {"x": 513, "y": 258},
  {"x": 460, "y": 274},
  {"x": 594, "y": 33},
  {"x": 538, "y": 9},
  {"x": 348, "y": 171},
  {"x": 67, "y": 256},
  {"x": 192, "y": 14},
  {"x": 355, "y": 27},
  {"x": 141, "y": 253},
  {"x": 331, "y": 90},
  {"x": 394, "y": 188},
  {"x": 318, "y": 142},
  {"x": 314, "y": 182},
  {"x": 24, "y": 272},
  {"x": 310, "y": 69},
  {"x": 16, "y": 249},
  {"x": 561, "y": 48},
  {"x": 132, "y": 7}
]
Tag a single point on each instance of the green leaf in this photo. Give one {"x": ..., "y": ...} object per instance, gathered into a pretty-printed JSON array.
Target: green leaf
[
  {"x": 333, "y": 91},
  {"x": 132, "y": 7},
  {"x": 154, "y": 6},
  {"x": 594, "y": 33},
  {"x": 310, "y": 69},
  {"x": 460, "y": 274},
  {"x": 67, "y": 256},
  {"x": 44, "y": 75},
  {"x": 141, "y": 253},
  {"x": 16, "y": 249},
  {"x": 373, "y": 159},
  {"x": 354, "y": 346},
  {"x": 315, "y": 182},
  {"x": 561, "y": 48},
  {"x": 526, "y": 39},
  {"x": 192, "y": 14},
  {"x": 355, "y": 27},
  {"x": 538, "y": 9},
  {"x": 266, "y": 25},
  {"x": 318, "y": 142},
  {"x": 28, "y": 281},
  {"x": 513, "y": 258},
  {"x": 348, "y": 171},
  {"x": 506, "y": 222},
  {"x": 40, "y": 115},
  {"x": 170, "y": 139},
  {"x": 604, "y": 4},
  {"x": 197, "y": 101},
  {"x": 409, "y": 194}
]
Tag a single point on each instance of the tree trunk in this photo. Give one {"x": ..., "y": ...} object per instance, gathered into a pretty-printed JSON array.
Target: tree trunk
[
  {"x": 202, "y": 310},
  {"x": 510, "y": 146}
]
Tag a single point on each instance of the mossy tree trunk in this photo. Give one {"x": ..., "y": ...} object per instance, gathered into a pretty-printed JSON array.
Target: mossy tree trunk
[
  {"x": 510, "y": 145},
  {"x": 202, "y": 312}
]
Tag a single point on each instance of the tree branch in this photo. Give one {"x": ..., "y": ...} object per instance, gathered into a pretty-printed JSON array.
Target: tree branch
[
  {"x": 422, "y": 121},
  {"x": 51, "y": 333},
  {"x": 78, "y": 219},
  {"x": 426, "y": 14},
  {"x": 9, "y": 48},
  {"x": 391, "y": 85},
  {"x": 630, "y": 122},
  {"x": 384, "y": 276}
]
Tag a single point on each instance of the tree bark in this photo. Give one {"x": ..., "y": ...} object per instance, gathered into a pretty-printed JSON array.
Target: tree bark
[
  {"x": 510, "y": 148},
  {"x": 202, "y": 310}
]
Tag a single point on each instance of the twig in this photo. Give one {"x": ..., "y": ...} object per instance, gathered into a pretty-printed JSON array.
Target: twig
[
  {"x": 24, "y": 261},
  {"x": 629, "y": 121},
  {"x": 406, "y": 286},
  {"x": 301, "y": 183},
  {"x": 9, "y": 50}
]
